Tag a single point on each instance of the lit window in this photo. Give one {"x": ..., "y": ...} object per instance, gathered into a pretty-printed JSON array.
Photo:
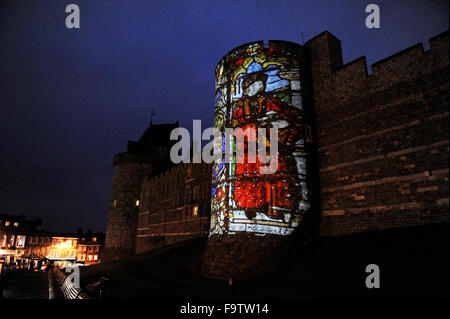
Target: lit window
[
  {"x": 7, "y": 223},
  {"x": 95, "y": 257},
  {"x": 115, "y": 203},
  {"x": 94, "y": 238},
  {"x": 16, "y": 224},
  {"x": 195, "y": 211},
  {"x": 90, "y": 257},
  {"x": 137, "y": 203},
  {"x": 20, "y": 242}
]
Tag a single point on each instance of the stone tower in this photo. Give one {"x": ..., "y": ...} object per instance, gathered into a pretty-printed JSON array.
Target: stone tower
[
  {"x": 253, "y": 211},
  {"x": 147, "y": 157}
]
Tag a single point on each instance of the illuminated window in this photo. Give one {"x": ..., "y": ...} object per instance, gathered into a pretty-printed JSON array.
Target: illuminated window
[
  {"x": 20, "y": 242},
  {"x": 3, "y": 241},
  {"x": 90, "y": 257},
  {"x": 115, "y": 203},
  {"x": 7, "y": 223},
  {"x": 137, "y": 203},
  {"x": 195, "y": 211},
  {"x": 94, "y": 238},
  {"x": 95, "y": 257},
  {"x": 16, "y": 224}
]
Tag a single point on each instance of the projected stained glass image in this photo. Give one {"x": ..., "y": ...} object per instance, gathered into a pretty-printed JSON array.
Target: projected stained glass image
[{"x": 259, "y": 87}]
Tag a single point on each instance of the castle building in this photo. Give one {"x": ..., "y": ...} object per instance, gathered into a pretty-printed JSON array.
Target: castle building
[
  {"x": 381, "y": 141},
  {"x": 147, "y": 157},
  {"x": 358, "y": 151}
]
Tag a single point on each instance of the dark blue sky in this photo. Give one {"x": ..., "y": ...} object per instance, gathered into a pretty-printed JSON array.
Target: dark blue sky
[{"x": 70, "y": 99}]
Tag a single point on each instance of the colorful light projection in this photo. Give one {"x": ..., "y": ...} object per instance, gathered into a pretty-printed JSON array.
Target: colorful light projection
[{"x": 257, "y": 87}]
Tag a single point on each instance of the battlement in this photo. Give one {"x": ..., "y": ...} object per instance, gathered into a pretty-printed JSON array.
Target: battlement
[
  {"x": 381, "y": 135},
  {"x": 352, "y": 76}
]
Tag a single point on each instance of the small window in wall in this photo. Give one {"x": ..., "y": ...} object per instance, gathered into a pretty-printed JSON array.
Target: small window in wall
[
  {"x": 195, "y": 211},
  {"x": 137, "y": 202},
  {"x": 16, "y": 224},
  {"x": 115, "y": 203},
  {"x": 94, "y": 238},
  {"x": 7, "y": 223}
]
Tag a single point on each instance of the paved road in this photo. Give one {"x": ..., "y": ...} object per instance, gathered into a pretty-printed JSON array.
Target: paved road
[{"x": 26, "y": 285}]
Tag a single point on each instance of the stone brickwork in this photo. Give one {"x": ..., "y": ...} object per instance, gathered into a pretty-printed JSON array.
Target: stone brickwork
[
  {"x": 239, "y": 256},
  {"x": 129, "y": 170},
  {"x": 382, "y": 138},
  {"x": 175, "y": 206}
]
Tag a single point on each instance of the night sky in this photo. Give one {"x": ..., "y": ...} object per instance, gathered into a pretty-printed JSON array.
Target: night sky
[{"x": 72, "y": 98}]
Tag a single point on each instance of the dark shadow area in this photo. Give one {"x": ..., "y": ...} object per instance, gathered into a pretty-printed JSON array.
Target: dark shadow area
[{"x": 413, "y": 263}]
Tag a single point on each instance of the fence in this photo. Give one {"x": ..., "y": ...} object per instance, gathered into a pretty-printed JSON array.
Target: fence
[{"x": 63, "y": 287}]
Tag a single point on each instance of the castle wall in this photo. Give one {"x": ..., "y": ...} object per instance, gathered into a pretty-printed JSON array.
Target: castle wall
[
  {"x": 168, "y": 211},
  {"x": 382, "y": 138},
  {"x": 129, "y": 170}
]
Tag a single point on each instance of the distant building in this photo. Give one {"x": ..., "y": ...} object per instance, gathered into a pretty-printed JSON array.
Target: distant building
[
  {"x": 63, "y": 250},
  {"x": 89, "y": 248},
  {"x": 19, "y": 237},
  {"x": 24, "y": 241}
]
